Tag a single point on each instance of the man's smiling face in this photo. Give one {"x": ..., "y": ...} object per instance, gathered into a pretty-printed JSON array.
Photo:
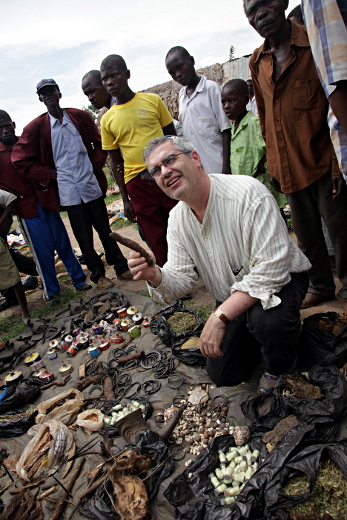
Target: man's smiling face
[{"x": 179, "y": 179}]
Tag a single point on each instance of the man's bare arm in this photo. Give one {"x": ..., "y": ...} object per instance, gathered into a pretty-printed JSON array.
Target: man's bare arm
[{"x": 117, "y": 165}]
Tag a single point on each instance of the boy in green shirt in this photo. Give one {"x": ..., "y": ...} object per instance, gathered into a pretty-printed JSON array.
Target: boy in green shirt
[{"x": 247, "y": 146}]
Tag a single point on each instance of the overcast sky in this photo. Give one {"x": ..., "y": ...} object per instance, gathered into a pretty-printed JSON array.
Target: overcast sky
[{"x": 65, "y": 39}]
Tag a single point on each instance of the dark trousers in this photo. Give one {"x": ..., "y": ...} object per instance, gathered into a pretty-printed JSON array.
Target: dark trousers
[
  {"x": 24, "y": 264},
  {"x": 274, "y": 334},
  {"x": 83, "y": 218},
  {"x": 307, "y": 206},
  {"x": 152, "y": 208}
]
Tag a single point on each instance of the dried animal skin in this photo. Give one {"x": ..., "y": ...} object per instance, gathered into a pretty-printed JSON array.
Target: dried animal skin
[
  {"x": 274, "y": 436},
  {"x": 302, "y": 389},
  {"x": 130, "y": 496},
  {"x": 134, "y": 462}
]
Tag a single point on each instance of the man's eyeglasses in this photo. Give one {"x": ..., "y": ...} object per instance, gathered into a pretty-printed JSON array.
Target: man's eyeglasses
[{"x": 169, "y": 160}]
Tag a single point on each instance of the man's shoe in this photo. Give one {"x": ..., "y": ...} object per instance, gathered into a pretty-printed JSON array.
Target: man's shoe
[
  {"x": 125, "y": 276},
  {"x": 267, "y": 384},
  {"x": 84, "y": 287},
  {"x": 311, "y": 300},
  {"x": 104, "y": 283}
]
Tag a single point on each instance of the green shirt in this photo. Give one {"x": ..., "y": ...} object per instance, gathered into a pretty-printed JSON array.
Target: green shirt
[{"x": 247, "y": 148}]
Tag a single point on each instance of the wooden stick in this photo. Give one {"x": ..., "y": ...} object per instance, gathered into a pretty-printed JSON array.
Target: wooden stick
[
  {"x": 82, "y": 371},
  {"x": 131, "y": 244},
  {"x": 69, "y": 485},
  {"x": 85, "y": 493},
  {"x": 19, "y": 490},
  {"x": 46, "y": 493},
  {"x": 135, "y": 355}
]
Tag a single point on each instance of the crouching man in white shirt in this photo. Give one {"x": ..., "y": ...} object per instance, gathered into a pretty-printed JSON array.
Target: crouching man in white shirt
[{"x": 228, "y": 231}]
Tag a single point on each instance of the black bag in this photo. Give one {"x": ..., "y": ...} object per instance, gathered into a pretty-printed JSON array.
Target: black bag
[
  {"x": 319, "y": 347},
  {"x": 261, "y": 498},
  {"x": 311, "y": 411},
  {"x": 190, "y": 356},
  {"x": 160, "y": 327},
  {"x": 16, "y": 427},
  {"x": 99, "y": 507},
  {"x": 26, "y": 392}
]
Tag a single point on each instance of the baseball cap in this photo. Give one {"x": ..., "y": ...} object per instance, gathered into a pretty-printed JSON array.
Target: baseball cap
[{"x": 46, "y": 83}]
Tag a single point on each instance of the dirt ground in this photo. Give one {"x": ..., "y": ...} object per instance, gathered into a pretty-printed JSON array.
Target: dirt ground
[{"x": 200, "y": 296}]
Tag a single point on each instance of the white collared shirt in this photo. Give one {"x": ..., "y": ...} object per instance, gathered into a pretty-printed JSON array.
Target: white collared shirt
[
  {"x": 242, "y": 245},
  {"x": 203, "y": 121}
]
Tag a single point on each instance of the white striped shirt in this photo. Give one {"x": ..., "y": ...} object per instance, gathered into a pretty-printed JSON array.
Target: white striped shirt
[{"x": 241, "y": 245}]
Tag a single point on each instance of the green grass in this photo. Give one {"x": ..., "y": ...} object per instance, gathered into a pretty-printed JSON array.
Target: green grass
[
  {"x": 11, "y": 326},
  {"x": 120, "y": 223},
  {"x": 143, "y": 293},
  {"x": 203, "y": 310}
]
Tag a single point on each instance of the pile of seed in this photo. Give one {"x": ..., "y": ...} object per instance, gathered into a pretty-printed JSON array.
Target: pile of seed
[
  {"x": 199, "y": 426},
  {"x": 182, "y": 321}
]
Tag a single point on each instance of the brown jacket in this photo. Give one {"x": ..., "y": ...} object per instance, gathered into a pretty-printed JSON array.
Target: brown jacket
[
  {"x": 33, "y": 155},
  {"x": 293, "y": 115}
]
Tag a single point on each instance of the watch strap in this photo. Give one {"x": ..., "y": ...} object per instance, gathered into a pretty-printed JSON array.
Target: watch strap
[{"x": 219, "y": 314}]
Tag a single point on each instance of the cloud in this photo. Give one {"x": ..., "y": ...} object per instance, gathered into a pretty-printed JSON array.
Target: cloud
[{"x": 66, "y": 39}]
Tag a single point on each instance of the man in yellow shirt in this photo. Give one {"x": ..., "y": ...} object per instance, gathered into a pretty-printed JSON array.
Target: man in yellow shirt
[{"x": 127, "y": 127}]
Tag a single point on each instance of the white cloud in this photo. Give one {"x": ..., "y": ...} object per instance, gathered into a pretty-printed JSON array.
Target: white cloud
[{"x": 65, "y": 39}]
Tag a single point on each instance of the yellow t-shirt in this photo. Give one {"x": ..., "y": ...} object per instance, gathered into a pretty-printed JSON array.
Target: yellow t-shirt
[{"x": 131, "y": 126}]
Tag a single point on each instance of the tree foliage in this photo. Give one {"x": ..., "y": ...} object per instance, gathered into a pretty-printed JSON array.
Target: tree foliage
[
  {"x": 92, "y": 111},
  {"x": 232, "y": 51}
]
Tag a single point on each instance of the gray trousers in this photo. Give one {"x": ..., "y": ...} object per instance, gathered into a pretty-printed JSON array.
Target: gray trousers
[{"x": 307, "y": 207}]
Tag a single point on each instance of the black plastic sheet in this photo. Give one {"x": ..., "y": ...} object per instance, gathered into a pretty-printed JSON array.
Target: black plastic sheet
[
  {"x": 311, "y": 411},
  {"x": 190, "y": 356},
  {"x": 319, "y": 347},
  {"x": 161, "y": 328},
  {"x": 25, "y": 393},
  {"x": 16, "y": 427},
  {"x": 99, "y": 506},
  {"x": 262, "y": 496}
]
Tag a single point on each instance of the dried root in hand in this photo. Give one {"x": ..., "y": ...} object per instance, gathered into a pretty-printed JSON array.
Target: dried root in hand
[{"x": 131, "y": 244}]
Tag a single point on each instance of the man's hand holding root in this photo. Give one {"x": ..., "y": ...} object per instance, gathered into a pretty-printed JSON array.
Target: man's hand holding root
[
  {"x": 212, "y": 336},
  {"x": 141, "y": 271}
]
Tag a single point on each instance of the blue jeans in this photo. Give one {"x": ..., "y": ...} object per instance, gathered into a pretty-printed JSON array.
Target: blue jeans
[{"x": 272, "y": 334}]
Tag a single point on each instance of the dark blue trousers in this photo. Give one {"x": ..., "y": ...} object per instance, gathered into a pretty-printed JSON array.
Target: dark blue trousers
[{"x": 44, "y": 235}]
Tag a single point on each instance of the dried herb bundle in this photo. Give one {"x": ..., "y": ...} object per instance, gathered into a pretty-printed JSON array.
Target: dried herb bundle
[
  {"x": 182, "y": 321},
  {"x": 328, "y": 494}
]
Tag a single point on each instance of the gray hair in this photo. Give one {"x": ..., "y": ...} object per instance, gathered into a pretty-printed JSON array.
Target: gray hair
[{"x": 179, "y": 142}]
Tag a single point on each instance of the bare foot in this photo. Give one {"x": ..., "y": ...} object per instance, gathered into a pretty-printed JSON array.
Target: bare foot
[{"x": 25, "y": 318}]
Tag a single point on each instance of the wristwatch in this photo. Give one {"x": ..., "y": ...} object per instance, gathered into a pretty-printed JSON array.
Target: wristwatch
[{"x": 217, "y": 312}]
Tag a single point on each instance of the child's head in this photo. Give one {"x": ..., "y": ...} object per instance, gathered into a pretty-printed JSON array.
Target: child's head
[
  {"x": 180, "y": 65},
  {"x": 235, "y": 98},
  {"x": 114, "y": 75}
]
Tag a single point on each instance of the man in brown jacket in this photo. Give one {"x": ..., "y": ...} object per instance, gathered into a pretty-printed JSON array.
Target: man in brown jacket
[{"x": 293, "y": 116}]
